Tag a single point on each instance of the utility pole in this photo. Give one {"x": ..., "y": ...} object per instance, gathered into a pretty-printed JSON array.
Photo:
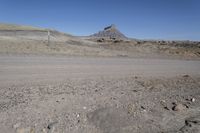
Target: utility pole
[{"x": 48, "y": 37}]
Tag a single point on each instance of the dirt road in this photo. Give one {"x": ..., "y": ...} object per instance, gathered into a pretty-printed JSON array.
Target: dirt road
[{"x": 22, "y": 70}]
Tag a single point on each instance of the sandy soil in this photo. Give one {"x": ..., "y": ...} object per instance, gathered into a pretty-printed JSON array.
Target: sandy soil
[{"x": 40, "y": 94}]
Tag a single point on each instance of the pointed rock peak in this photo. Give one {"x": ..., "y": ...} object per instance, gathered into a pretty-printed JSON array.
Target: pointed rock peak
[
  {"x": 110, "y": 27},
  {"x": 110, "y": 32}
]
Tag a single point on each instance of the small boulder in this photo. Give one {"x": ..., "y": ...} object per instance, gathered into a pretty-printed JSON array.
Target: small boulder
[{"x": 179, "y": 107}]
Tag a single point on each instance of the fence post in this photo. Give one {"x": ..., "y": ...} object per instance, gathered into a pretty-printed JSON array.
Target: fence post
[{"x": 48, "y": 37}]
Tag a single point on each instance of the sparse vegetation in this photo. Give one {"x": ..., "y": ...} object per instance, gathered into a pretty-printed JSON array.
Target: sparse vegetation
[{"x": 28, "y": 40}]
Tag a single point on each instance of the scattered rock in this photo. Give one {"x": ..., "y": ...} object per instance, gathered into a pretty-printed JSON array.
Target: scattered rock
[
  {"x": 51, "y": 127},
  {"x": 25, "y": 130},
  {"x": 142, "y": 107},
  {"x": 190, "y": 99},
  {"x": 17, "y": 125},
  {"x": 166, "y": 108},
  {"x": 163, "y": 101},
  {"x": 186, "y": 76},
  {"x": 174, "y": 103},
  {"x": 131, "y": 108},
  {"x": 192, "y": 125},
  {"x": 179, "y": 107},
  {"x": 135, "y": 90},
  {"x": 113, "y": 98},
  {"x": 164, "y": 104},
  {"x": 44, "y": 130},
  {"x": 193, "y": 120},
  {"x": 193, "y": 99}
]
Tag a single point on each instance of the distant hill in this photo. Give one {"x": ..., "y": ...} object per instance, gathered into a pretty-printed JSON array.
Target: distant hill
[
  {"x": 29, "y": 32},
  {"x": 110, "y": 32},
  {"x": 19, "y": 27}
]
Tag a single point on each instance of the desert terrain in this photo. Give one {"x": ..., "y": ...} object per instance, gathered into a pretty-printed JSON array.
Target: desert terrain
[{"x": 103, "y": 83}]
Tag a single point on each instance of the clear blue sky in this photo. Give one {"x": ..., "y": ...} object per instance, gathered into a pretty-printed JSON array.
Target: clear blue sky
[{"x": 143, "y": 19}]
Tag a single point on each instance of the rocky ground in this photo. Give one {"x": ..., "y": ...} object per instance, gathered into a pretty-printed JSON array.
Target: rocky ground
[
  {"x": 98, "y": 95},
  {"x": 103, "y": 105}
]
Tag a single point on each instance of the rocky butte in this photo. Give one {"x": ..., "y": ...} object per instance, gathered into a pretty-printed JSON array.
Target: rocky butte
[{"x": 110, "y": 32}]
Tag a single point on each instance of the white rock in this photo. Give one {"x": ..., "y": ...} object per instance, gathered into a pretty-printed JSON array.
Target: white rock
[
  {"x": 193, "y": 99},
  {"x": 17, "y": 125}
]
